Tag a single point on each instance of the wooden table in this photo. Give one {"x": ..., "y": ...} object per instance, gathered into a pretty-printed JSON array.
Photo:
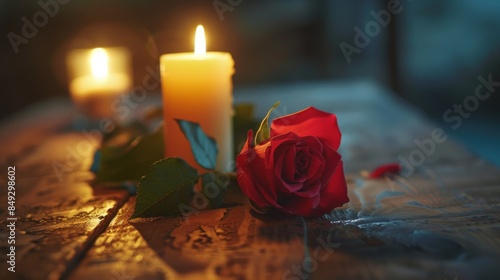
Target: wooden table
[{"x": 440, "y": 222}]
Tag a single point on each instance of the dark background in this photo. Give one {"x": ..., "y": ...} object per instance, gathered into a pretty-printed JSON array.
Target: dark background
[{"x": 431, "y": 53}]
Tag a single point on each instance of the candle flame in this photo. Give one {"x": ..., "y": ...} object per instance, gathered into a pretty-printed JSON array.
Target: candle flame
[
  {"x": 200, "y": 45},
  {"x": 99, "y": 63}
]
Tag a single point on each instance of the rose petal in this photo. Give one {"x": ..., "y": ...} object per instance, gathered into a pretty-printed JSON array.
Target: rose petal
[
  {"x": 309, "y": 122},
  {"x": 252, "y": 175},
  {"x": 311, "y": 189},
  {"x": 334, "y": 194},
  {"x": 384, "y": 169},
  {"x": 316, "y": 166},
  {"x": 333, "y": 159},
  {"x": 297, "y": 205},
  {"x": 314, "y": 149},
  {"x": 288, "y": 170},
  {"x": 283, "y": 168},
  {"x": 302, "y": 163},
  {"x": 279, "y": 146}
]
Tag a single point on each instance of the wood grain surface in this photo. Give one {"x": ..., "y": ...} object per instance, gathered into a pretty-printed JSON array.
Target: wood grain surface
[
  {"x": 440, "y": 220},
  {"x": 59, "y": 214}
]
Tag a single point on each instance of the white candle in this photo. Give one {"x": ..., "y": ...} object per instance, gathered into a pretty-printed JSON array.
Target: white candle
[
  {"x": 197, "y": 87},
  {"x": 97, "y": 77}
]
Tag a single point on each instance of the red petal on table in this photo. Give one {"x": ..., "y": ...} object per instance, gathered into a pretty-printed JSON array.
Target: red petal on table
[{"x": 380, "y": 171}]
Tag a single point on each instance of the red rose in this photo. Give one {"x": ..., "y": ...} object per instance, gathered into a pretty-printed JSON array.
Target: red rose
[{"x": 297, "y": 170}]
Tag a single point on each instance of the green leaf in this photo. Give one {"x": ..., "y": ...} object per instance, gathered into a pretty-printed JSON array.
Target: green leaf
[
  {"x": 263, "y": 133},
  {"x": 203, "y": 147},
  {"x": 127, "y": 155},
  {"x": 166, "y": 187},
  {"x": 214, "y": 186}
]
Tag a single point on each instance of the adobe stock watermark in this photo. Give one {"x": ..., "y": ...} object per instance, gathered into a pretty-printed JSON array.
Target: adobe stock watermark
[
  {"x": 223, "y": 6},
  {"x": 40, "y": 19},
  {"x": 453, "y": 116},
  {"x": 122, "y": 107},
  {"x": 372, "y": 29},
  {"x": 311, "y": 263},
  {"x": 212, "y": 189}
]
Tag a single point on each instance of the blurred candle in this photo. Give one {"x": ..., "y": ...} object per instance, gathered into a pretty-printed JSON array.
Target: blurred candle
[
  {"x": 97, "y": 77},
  {"x": 197, "y": 87}
]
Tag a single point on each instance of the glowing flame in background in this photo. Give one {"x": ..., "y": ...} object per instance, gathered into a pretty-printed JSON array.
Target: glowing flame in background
[{"x": 99, "y": 64}]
